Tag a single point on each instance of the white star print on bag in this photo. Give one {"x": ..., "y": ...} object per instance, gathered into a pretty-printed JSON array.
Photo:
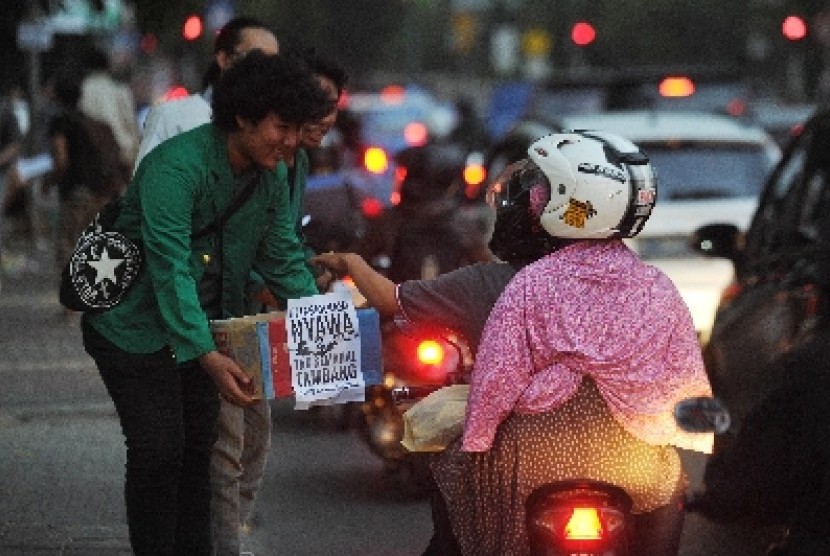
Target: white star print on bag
[{"x": 104, "y": 264}]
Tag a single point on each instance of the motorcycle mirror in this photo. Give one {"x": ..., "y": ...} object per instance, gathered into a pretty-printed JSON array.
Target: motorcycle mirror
[{"x": 702, "y": 414}]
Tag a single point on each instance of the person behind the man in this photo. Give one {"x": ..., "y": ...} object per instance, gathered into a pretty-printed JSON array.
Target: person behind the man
[
  {"x": 333, "y": 80},
  {"x": 155, "y": 351},
  {"x": 234, "y": 40}
]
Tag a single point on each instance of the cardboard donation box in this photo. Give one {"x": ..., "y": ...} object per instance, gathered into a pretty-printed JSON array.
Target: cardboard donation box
[{"x": 321, "y": 350}]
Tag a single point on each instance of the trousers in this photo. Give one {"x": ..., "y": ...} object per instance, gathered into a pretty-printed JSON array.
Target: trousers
[
  {"x": 236, "y": 469},
  {"x": 168, "y": 414}
]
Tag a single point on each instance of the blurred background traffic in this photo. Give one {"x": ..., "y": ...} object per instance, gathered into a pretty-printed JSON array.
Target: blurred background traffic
[
  {"x": 711, "y": 90},
  {"x": 484, "y": 76}
]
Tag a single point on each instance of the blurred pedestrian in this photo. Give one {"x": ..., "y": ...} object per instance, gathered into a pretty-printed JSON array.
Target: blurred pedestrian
[
  {"x": 155, "y": 351},
  {"x": 85, "y": 169},
  {"x": 10, "y": 148},
  {"x": 469, "y": 130},
  {"x": 776, "y": 470},
  {"x": 426, "y": 233},
  {"x": 105, "y": 99}
]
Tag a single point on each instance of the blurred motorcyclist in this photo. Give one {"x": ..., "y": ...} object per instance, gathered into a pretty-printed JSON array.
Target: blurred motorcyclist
[
  {"x": 776, "y": 471},
  {"x": 585, "y": 386},
  {"x": 426, "y": 233}
]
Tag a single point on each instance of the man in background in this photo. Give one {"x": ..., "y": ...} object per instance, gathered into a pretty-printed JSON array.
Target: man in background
[{"x": 233, "y": 41}]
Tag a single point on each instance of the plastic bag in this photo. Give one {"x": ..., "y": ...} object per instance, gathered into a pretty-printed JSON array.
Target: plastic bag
[{"x": 432, "y": 423}]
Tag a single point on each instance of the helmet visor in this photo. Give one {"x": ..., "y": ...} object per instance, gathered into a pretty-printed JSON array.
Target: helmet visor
[{"x": 516, "y": 179}]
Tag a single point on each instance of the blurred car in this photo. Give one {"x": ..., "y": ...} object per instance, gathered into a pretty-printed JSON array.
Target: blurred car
[
  {"x": 781, "y": 119},
  {"x": 391, "y": 119},
  {"x": 597, "y": 92},
  {"x": 782, "y": 272},
  {"x": 709, "y": 168}
]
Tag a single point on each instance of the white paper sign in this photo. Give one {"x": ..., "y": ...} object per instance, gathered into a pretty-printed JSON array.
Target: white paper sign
[{"x": 324, "y": 350}]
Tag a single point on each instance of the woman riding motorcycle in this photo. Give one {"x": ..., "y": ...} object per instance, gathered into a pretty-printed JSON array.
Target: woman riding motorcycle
[{"x": 583, "y": 355}]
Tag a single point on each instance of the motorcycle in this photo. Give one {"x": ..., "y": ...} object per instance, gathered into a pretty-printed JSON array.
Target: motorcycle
[
  {"x": 584, "y": 517},
  {"x": 416, "y": 363},
  {"x": 593, "y": 518}
]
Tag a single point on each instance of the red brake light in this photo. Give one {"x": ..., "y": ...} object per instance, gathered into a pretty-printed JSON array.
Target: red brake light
[
  {"x": 392, "y": 94},
  {"x": 797, "y": 130},
  {"x": 174, "y": 92},
  {"x": 415, "y": 134},
  {"x": 794, "y": 28},
  {"x": 371, "y": 207},
  {"x": 430, "y": 352},
  {"x": 729, "y": 293},
  {"x": 192, "y": 28},
  {"x": 343, "y": 101},
  {"x": 375, "y": 160},
  {"x": 736, "y": 107},
  {"x": 584, "y": 525},
  {"x": 583, "y": 33}
]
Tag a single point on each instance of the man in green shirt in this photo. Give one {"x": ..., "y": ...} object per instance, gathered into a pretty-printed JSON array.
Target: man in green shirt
[{"x": 154, "y": 350}]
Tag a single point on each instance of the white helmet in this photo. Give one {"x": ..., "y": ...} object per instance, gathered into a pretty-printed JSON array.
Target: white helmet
[{"x": 577, "y": 185}]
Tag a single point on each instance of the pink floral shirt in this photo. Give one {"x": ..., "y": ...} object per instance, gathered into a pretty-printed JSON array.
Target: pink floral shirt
[{"x": 592, "y": 309}]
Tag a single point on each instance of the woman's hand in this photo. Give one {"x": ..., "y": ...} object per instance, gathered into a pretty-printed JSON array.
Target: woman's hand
[
  {"x": 378, "y": 290},
  {"x": 234, "y": 385},
  {"x": 337, "y": 263},
  {"x": 324, "y": 280}
]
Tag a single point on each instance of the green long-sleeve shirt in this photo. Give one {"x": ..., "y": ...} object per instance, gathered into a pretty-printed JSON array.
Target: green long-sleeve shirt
[{"x": 179, "y": 188}]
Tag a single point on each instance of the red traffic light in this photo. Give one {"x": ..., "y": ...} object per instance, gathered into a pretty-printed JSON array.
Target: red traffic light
[
  {"x": 794, "y": 28},
  {"x": 192, "y": 28},
  {"x": 583, "y": 33}
]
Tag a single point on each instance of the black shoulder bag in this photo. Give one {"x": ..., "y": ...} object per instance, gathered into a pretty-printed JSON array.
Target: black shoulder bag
[{"x": 105, "y": 263}]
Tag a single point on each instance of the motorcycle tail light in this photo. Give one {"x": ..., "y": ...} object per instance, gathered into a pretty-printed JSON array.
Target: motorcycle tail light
[
  {"x": 584, "y": 525},
  {"x": 577, "y": 530},
  {"x": 562, "y": 519}
]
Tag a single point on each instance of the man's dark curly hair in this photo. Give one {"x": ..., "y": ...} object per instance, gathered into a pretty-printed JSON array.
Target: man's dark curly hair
[{"x": 261, "y": 84}]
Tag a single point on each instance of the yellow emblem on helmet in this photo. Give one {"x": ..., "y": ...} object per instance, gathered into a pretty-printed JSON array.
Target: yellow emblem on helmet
[{"x": 578, "y": 212}]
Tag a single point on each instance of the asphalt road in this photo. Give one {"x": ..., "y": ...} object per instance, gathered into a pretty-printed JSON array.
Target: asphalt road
[{"x": 62, "y": 458}]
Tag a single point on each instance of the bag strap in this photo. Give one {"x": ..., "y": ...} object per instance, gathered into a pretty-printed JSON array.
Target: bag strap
[{"x": 234, "y": 205}]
